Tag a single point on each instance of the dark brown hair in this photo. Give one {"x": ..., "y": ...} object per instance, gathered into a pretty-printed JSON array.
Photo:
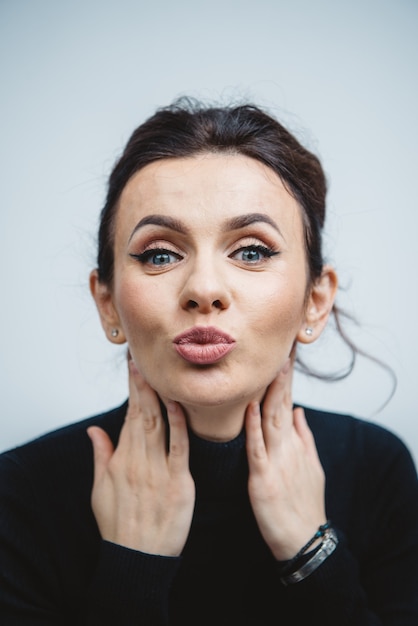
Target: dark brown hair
[{"x": 187, "y": 128}]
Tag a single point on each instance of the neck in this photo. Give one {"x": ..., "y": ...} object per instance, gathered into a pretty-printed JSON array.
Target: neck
[{"x": 218, "y": 423}]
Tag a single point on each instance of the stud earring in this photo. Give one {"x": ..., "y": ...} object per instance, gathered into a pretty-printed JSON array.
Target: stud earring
[
  {"x": 114, "y": 332},
  {"x": 309, "y": 331}
]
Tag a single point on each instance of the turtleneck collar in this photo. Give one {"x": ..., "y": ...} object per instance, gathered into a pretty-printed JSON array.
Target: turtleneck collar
[{"x": 219, "y": 469}]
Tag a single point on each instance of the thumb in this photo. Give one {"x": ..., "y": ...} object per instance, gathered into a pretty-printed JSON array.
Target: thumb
[{"x": 102, "y": 449}]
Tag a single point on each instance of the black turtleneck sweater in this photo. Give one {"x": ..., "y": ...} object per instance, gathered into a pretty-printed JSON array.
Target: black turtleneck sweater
[{"x": 56, "y": 570}]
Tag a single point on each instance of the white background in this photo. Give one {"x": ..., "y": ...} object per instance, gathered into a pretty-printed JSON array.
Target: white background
[{"x": 77, "y": 76}]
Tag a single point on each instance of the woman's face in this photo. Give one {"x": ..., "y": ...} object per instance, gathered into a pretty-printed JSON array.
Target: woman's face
[{"x": 210, "y": 277}]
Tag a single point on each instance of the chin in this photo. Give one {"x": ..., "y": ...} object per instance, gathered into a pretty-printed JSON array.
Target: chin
[
  {"x": 216, "y": 396},
  {"x": 206, "y": 387}
]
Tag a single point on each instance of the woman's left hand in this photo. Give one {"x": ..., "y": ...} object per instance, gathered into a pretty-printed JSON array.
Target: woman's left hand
[{"x": 286, "y": 479}]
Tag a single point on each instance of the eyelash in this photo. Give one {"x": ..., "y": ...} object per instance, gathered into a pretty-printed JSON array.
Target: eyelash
[
  {"x": 263, "y": 250},
  {"x": 146, "y": 256}
]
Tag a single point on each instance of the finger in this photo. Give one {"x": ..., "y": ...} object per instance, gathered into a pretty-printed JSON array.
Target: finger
[
  {"x": 179, "y": 439},
  {"x": 304, "y": 432},
  {"x": 279, "y": 392},
  {"x": 256, "y": 448},
  {"x": 144, "y": 427},
  {"x": 143, "y": 402},
  {"x": 102, "y": 449},
  {"x": 140, "y": 393},
  {"x": 277, "y": 404}
]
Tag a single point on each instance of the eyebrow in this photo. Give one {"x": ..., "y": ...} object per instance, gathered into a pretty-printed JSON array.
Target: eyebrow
[
  {"x": 160, "y": 220},
  {"x": 234, "y": 223},
  {"x": 242, "y": 221}
]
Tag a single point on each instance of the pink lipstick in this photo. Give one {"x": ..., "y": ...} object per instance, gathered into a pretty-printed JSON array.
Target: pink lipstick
[{"x": 203, "y": 345}]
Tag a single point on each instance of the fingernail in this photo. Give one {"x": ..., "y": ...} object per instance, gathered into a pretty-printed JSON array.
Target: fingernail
[
  {"x": 255, "y": 408},
  {"x": 132, "y": 367},
  {"x": 286, "y": 366}
]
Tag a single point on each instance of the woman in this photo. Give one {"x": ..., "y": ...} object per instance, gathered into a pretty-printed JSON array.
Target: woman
[{"x": 209, "y": 497}]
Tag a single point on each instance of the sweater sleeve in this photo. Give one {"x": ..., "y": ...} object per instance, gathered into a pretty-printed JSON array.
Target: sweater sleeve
[
  {"x": 130, "y": 587},
  {"x": 375, "y": 584},
  {"x": 27, "y": 583},
  {"x": 123, "y": 587},
  {"x": 334, "y": 592}
]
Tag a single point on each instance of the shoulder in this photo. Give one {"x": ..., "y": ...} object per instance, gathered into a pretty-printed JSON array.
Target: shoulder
[
  {"x": 341, "y": 429},
  {"x": 61, "y": 450},
  {"x": 365, "y": 446}
]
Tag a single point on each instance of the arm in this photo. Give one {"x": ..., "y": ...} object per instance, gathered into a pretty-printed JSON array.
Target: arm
[
  {"x": 143, "y": 500},
  {"x": 130, "y": 587},
  {"x": 54, "y": 569},
  {"x": 38, "y": 588},
  {"x": 27, "y": 583},
  {"x": 286, "y": 488}
]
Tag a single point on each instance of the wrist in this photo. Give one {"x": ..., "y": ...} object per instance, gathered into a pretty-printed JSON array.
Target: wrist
[
  {"x": 309, "y": 558},
  {"x": 290, "y": 548}
]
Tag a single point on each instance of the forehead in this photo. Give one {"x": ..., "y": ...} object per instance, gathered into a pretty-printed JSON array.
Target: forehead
[{"x": 206, "y": 188}]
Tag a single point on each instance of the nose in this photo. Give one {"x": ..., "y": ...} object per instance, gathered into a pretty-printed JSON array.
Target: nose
[{"x": 205, "y": 289}]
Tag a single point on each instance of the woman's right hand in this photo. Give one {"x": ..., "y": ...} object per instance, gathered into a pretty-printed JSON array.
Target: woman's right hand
[{"x": 143, "y": 495}]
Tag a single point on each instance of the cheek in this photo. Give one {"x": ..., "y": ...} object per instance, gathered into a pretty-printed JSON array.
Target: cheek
[
  {"x": 280, "y": 311},
  {"x": 275, "y": 329},
  {"x": 140, "y": 309}
]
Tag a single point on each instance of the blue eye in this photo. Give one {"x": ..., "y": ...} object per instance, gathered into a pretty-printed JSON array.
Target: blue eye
[
  {"x": 251, "y": 255},
  {"x": 254, "y": 254},
  {"x": 161, "y": 258},
  {"x": 157, "y": 257}
]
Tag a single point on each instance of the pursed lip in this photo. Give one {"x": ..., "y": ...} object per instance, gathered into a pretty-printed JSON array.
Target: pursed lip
[
  {"x": 203, "y": 345},
  {"x": 203, "y": 335}
]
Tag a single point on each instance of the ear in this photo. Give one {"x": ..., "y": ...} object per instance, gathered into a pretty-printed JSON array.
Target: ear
[
  {"x": 109, "y": 317},
  {"x": 319, "y": 306}
]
